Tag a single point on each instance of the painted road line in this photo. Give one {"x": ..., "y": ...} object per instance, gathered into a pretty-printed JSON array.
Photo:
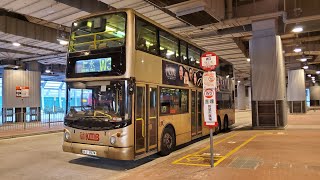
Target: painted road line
[
  {"x": 234, "y": 150},
  {"x": 204, "y": 149}
]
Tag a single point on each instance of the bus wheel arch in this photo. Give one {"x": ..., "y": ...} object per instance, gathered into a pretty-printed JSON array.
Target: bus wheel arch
[{"x": 168, "y": 140}]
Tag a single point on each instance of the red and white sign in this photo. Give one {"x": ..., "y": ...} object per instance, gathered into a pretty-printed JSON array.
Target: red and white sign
[
  {"x": 22, "y": 91},
  {"x": 209, "y": 61},
  {"x": 209, "y": 79},
  {"x": 209, "y": 98}
]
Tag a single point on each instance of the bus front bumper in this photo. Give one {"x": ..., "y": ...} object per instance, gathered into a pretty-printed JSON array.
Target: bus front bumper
[{"x": 101, "y": 151}]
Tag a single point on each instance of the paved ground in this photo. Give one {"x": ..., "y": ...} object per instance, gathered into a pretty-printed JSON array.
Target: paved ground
[{"x": 240, "y": 154}]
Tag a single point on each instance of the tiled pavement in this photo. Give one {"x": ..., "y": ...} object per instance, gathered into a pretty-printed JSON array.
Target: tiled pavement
[{"x": 293, "y": 153}]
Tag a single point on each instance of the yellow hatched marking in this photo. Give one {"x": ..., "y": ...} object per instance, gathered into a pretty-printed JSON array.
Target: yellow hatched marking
[
  {"x": 234, "y": 150},
  {"x": 201, "y": 150}
]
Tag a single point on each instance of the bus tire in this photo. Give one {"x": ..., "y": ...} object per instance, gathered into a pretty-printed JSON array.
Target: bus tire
[
  {"x": 226, "y": 124},
  {"x": 168, "y": 141}
]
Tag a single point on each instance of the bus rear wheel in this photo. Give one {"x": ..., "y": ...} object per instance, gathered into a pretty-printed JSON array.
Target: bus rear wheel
[
  {"x": 226, "y": 124},
  {"x": 168, "y": 141}
]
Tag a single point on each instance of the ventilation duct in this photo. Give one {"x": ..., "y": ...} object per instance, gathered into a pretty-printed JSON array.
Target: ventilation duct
[{"x": 200, "y": 12}]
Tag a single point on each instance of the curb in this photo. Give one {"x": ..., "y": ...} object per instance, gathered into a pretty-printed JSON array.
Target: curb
[{"x": 30, "y": 134}]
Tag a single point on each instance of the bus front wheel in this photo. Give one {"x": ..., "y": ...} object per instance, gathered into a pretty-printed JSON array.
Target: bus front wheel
[{"x": 168, "y": 141}]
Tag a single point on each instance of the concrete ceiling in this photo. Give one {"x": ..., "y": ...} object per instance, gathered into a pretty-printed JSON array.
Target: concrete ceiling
[{"x": 228, "y": 37}]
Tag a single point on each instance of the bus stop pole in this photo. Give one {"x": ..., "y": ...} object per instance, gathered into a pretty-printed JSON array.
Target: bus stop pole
[{"x": 211, "y": 148}]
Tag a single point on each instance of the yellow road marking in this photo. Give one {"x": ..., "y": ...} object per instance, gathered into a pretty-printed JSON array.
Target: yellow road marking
[
  {"x": 201, "y": 150},
  {"x": 234, "y": 150}
]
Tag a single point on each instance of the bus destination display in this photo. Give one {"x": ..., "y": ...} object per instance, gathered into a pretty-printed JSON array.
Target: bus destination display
[{"x": 93, "y": 65}]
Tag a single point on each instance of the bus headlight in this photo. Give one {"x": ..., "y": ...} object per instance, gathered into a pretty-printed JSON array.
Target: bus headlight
[
  {"x": 67, "y": 136},
  {"x": 112, "y": 140}
]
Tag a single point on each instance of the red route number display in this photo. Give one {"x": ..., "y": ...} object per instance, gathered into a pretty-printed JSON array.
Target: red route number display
[{"x": 209, "y": 61}]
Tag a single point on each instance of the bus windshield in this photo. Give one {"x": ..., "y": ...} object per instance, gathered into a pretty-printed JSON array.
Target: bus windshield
[
  {"x": 99, "y": 32},
  {"x": 98, "y": 107}
]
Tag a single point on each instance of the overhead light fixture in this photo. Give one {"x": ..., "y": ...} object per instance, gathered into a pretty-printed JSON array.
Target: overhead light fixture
[
  {"x": 313, "y": 77},
  {"x": 227, "y": 76},
  {"x": 303, "y": 59},
  {"x": 48, "y": 70},
  {"x": 16, "y": 44},
  {"x": 248, "y": 59},
  {"x": 297, "y": 29},
  {"x": 297, "y": 50},
  {"x": 309, "y": 75},
  {"x": 239, "y": 81},
  {"x": 305, "y": 67},
  {"x": 63, "y": 42},
  {"x": 318, "y": 72}
]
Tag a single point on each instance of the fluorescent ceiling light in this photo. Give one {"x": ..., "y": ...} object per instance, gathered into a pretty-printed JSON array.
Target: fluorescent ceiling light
[
  {"x": 239, "y": 81},
  {"x": 313, "y": 77},
  {"x": 309, "y": 75},
  {"x": 303, "y": 59},
  {"x": 297, "y": 29},
  {"x": 48, "y": 71},
  {"x": 297, "y": 50},
  {"x": 305, "y": 67},
  {"x": 248, "y": 59},
  {"x": 16, "y": 44},
  {"x": 63, "y": 42},
  {"x": 318, "y": 72}
]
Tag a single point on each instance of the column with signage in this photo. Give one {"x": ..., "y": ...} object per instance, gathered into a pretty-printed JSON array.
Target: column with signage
[{"x": 208, "y": 62}]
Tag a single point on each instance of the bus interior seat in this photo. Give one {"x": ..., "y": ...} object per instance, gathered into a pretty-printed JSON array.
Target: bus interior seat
[
  {"x": 102, "y": 45},
  {"x": 153, "y": 49},
  {"x": 142, "y": 44},
  {"x": 163, "y": 52}
]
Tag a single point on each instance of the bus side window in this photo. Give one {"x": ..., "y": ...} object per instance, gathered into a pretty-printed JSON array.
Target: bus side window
[{"x": 146, "y": 37}]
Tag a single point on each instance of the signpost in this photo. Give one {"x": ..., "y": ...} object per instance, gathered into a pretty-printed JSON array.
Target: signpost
[{"x": 208, "y": 62}]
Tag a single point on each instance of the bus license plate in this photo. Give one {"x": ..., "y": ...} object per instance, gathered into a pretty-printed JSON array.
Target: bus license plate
[{"x": 89, "y": 152}]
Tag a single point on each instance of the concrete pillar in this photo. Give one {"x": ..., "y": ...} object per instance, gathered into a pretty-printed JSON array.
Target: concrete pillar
[
  {"x": 296, "y": 91},
  {"x": 241, "y": 99},
  {"x": 315, "y": 95},
  {"x": 269, "y": 106}
]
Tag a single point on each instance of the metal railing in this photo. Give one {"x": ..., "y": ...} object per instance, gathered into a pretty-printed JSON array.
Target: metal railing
[{"x": 27, "y": 120}]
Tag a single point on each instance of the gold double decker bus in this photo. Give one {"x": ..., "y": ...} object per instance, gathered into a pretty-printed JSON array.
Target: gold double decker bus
[{"x": 134, "y": 88}]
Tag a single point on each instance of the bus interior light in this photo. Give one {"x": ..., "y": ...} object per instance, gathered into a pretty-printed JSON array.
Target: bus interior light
[
  {"x": 108, "y": 28},
  {"x": 89, "y": 24},
  {"x": 169, "y": 53}
]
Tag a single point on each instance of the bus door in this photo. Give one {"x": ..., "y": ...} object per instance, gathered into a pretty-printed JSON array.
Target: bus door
[
  {"x": 146, "y": 119},
  {"x": 196, "y": 113},
  {"x": 193, "y": 114},
  {"x": 199, "y": 112}
]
